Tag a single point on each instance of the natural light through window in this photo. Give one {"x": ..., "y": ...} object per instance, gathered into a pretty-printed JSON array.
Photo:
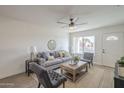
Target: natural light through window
[{"x": 83, "y": 44}]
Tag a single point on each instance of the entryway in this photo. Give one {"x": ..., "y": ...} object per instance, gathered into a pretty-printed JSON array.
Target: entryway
[{"x": 113, "y": 48}]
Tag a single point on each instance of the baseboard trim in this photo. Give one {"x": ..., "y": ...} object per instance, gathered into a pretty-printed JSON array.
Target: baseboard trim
[{"x": 12, "y": 75}]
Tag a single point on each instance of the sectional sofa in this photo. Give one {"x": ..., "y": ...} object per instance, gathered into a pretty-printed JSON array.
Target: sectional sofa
[{"x": 52, "y": 60}]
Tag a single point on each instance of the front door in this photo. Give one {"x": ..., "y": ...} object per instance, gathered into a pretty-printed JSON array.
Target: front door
[{"x": 113, "y": 48}]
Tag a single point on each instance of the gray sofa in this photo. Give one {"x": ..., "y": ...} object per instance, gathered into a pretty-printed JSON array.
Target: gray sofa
[{"x": 52, "y": 64}]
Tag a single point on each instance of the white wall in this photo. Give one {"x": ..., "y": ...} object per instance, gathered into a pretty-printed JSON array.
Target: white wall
[
  {"x": 98, "y": 33},
  {"x": 17, "y": 36}
]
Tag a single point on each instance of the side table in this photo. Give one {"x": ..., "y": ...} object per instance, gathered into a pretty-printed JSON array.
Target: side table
[{"x": 27, "y": 70}]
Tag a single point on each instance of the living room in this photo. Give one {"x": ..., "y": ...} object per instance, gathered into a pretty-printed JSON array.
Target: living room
[{"x": 97, "y": 30}]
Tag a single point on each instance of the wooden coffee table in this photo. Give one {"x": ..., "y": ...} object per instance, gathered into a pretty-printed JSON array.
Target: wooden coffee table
[{"x": 74, "y": 71}]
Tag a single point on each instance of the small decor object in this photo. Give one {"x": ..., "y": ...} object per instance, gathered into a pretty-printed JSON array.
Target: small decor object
[
  {"x": 51, "y": 44},
  {"x": 75, "y": 60}
]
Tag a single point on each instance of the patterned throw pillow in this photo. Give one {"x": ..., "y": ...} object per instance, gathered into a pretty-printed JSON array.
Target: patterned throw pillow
[{"x": 52, "y": 53}]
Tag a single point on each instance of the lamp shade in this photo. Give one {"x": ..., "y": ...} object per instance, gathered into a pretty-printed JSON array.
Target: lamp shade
[
  {"x": 33, "y": 52},
  {"x": 33, "y": 49}
]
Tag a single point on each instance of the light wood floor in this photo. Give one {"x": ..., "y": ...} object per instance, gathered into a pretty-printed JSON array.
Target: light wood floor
[{"x": 97, "y": 77}]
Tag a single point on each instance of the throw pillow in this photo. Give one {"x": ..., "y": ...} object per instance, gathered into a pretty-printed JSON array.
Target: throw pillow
[
  {"x": 57, "y": 54},
  {"x": 39, "y": 55},
  {"x": 51, "y": 58},
  {"x": 45, "y": 55},
  {"x": 40, "y": 61},
  {"x": 61, "y": 53},
  {"x": 52, "y": 53},
  {"x": 67, "y": 54}
]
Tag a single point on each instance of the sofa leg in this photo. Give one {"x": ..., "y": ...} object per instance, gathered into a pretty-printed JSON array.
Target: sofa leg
[
  {"x": 39, "y": 85},
  {"x": 63, "y": 84},
  {"x": 28, "y": 73},
  {"x": 89, "y": 65},
  {"x": 92, "y": 63}
]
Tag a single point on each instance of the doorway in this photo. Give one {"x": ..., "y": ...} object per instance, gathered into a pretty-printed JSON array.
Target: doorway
[{"x": 113, "y": 48}]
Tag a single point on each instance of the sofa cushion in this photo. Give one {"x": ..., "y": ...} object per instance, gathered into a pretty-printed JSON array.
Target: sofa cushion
[
  {"x": 52, "y": 62},
  {"x": 85, "y": 60},
  {"x": 66, "y": 59}
]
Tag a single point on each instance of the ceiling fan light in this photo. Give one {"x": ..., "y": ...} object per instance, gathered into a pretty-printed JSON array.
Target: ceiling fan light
[{"x": 72, "y": 27}]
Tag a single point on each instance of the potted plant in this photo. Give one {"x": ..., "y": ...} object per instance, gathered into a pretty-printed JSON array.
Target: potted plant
[
  {"x": 76, "y": 59},
  {"x": 120, "y": 67},
  {"x": 121, "y": 62}
]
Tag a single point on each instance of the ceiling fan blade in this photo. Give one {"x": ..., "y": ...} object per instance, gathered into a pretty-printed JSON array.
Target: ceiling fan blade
[
  {"x": 62, "y": 23},
  {"x": 76, "y": 19},
  {"x": 81, "y": 24},
  {"x": 66, "y": 26}
]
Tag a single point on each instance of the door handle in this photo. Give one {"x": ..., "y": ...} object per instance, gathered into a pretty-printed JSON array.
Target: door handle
[{"x": 103, "y": 51}]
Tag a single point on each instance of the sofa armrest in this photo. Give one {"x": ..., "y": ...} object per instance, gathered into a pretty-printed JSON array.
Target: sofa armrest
[
  {"x": 40, "y": 61},
  {"x": 85, "y": 60}
]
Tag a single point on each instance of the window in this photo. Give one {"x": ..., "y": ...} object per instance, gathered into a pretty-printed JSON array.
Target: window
[
  {"x": 83, "y": 44},
  {"x": 111, "y": 38}
]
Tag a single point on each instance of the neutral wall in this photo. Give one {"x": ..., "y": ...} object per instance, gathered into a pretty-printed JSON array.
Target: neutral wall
[
  {"x": 98, "y": 33},
  {"x": 17, "y": 36}
]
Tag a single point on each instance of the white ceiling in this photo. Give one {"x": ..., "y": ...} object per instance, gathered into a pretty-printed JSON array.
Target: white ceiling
[{"x": 96, "y": 16}]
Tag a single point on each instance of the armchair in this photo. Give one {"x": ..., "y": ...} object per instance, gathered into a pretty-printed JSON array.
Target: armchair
[
  {"x": 88, "y": 57},
  {"x": 48, "y": 78}
]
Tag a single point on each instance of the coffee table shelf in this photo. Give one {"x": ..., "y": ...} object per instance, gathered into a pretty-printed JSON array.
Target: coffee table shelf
[{"x": 75, "y": 71}]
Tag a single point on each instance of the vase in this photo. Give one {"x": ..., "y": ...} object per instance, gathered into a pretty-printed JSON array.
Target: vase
[{"x": 76, "y": 62}]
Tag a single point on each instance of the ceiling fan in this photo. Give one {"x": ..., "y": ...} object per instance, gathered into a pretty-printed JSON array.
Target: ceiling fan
[{"x": 72, "y": 23}]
